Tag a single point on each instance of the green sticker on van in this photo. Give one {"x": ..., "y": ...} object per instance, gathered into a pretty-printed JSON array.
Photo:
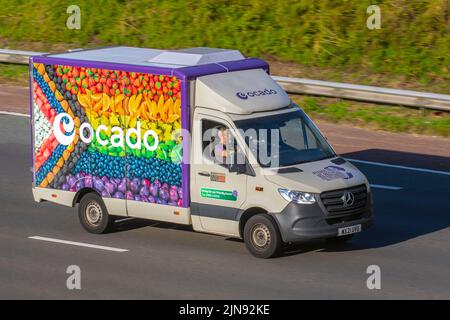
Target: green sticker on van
[{"x": 218, "y": 194}]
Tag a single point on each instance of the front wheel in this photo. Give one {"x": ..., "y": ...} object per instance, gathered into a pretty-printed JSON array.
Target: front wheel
[
  {"x": 93, "y": 214},
  {"x": 262, "y": 237}
]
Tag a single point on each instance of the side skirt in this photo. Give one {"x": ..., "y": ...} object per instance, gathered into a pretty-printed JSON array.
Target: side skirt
[{"x": 219, "y": 220}]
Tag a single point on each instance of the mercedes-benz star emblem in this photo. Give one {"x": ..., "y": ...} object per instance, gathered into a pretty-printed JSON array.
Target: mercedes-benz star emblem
[{"x": 348, "y": 198}]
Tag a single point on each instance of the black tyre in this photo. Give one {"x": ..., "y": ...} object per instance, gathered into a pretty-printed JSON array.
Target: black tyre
[
  {"x": 93, "y": 214},
  {"x": 262, "y": 237},
  {"x": 341, "y": 239}
]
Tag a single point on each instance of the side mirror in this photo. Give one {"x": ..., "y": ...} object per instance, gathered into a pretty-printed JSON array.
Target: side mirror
[{"x": 238, "y": 168}]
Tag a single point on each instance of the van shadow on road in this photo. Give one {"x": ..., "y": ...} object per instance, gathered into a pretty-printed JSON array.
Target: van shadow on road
[
  {"x": 127, "y": 224},
  {"x": 418, "y": 209},
  {"x": 410, "y": 159}
]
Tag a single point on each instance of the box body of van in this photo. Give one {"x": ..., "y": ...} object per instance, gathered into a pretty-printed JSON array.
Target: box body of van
[{"x": 133, "y": 132}]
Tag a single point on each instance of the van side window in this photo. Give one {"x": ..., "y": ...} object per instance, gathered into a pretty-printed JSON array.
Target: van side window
[{"x": 217, "y": 142}]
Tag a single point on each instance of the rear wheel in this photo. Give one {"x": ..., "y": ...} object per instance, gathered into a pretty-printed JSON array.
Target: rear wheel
[
  {"x": 262, "y": 237},
  {"x": 93, "y": 214}
]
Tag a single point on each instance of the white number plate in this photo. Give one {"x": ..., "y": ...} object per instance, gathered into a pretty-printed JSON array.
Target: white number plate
[{"x": 349, "y": 230}]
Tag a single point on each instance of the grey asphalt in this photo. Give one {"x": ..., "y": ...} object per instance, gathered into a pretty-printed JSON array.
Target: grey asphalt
[{"x": 410, "y": 242}]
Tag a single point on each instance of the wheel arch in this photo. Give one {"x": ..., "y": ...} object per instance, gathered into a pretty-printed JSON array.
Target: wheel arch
[
  {"x": 247, "y": 214},
  {"x": 81, "y": 193}
]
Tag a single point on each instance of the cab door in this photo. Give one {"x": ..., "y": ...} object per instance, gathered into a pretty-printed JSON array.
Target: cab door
[{"x": 216, "y": 193}]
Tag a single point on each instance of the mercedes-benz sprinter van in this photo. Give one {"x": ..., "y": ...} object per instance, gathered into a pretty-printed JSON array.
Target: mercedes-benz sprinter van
[{"x": 201, "y": 136}]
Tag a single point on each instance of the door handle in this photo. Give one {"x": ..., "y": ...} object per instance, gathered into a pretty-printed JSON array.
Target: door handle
[{"x": 204, "y": 173}]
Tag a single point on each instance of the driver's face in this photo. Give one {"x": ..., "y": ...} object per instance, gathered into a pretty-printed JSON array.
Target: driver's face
[{"x": 223, "y": 135}]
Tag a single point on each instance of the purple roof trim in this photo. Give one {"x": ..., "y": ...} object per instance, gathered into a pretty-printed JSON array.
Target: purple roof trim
[
  {"x": 30, "y": 77},
  {"x": 206, "y": 69},
  {"x": 250, "y": 63},
  {"x": 182, "y": 73},
  {"x": 201, "y": 70},
  {"x": 108, "y": 65},
  {"x": 186, "y": 127}
]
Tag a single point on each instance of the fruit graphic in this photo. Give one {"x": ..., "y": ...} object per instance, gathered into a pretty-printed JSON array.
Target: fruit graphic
[{"x": 111, "y": 98}]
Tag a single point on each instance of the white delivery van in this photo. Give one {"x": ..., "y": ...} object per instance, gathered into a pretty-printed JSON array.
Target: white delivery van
[{"x": 199, "y": 136}]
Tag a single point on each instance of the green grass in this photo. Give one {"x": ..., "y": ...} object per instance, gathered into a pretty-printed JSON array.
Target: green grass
[
  {"x": 413, "y": 41},
  {"x": 14, "y": 73},
  {"x": 389, "y": 118}
]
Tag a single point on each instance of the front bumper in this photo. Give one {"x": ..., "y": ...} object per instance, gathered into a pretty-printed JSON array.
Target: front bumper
[{"x": 303, "y": 222}]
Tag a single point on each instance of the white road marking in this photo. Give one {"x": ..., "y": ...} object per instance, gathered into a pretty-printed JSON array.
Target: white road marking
[
  {"x": 399, "y": 167},
  {"x": 80, "y": 244},
  {"x": 381, "y": 186},
  {"x": 15, "y": 114}
]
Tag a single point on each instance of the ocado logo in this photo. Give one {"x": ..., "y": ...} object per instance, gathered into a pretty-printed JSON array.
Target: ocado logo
[
  {"x": 256, "y": 93},
  {"x": 64, "y": 131},
  {"x": 241, "y": 95},
  {"x": 66, "y": 122}
]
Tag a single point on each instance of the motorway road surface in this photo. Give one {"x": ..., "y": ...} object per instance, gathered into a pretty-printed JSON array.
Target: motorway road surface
[{"x": 410, "y": 242}]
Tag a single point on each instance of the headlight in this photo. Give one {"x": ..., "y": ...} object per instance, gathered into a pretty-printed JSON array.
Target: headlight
[{"x": 297, "y": 196}]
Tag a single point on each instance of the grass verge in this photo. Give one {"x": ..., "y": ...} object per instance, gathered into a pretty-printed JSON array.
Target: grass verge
[{"x": 14, "y": 74}]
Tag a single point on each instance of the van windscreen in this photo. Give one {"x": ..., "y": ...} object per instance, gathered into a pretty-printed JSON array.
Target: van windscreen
[{"x": 284, "y": 139}]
